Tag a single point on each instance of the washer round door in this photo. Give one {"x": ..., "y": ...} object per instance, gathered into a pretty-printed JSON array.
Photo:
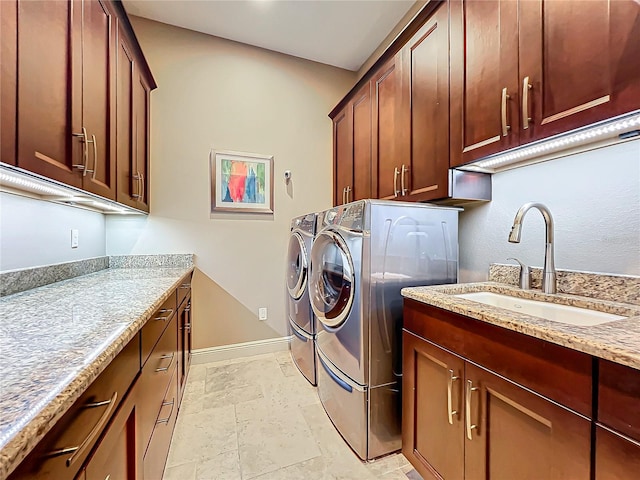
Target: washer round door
[
  {"x": 296, "y": 266},
  {"x": 332, "y": 281}
]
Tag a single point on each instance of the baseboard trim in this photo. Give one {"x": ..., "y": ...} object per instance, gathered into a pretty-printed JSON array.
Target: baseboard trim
[{"x": 237, "y": 350}]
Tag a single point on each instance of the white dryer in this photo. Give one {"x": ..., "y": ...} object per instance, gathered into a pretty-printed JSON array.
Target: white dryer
[
  {"x": 363, "y": 254},
  {"x": 302, "y": 323}
]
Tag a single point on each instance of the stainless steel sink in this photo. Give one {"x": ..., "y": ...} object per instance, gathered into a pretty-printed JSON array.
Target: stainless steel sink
[{"x": 549, "y": 311}]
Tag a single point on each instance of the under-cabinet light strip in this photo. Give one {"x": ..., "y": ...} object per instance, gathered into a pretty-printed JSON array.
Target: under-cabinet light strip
[
  {"x": 562, "y": 142},
  {"x": 20, "y": 182}
]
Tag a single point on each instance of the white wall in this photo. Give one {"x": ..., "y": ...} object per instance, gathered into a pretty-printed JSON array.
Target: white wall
[
  {"x": 217, "y": 93},
  {"x": 35, "y": 233},
  {"x": 594, "y": 198}
]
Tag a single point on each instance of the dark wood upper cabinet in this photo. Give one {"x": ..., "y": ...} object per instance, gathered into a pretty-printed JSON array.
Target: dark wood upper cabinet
[
  {"x": 8, "y": 76},
  {"x": 361, "y": 118},
  {"x": 522, "y": 71},
  {"x": 484, "y": 78},
  {"x": 342, "y": 155},
  {"x": 49, "y": 102},
  {"x": 99, "y": 55},
  {"x": 385, "y": 101},
  {"x": 424, "y": 111},
  {"x": 75, "y": 96}
]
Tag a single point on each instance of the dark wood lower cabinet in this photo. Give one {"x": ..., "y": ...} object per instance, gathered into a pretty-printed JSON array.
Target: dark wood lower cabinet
[
  {"x": 117, "y": 454},
  {"x": 463, "y": 420},
  {"x": 617, "y": 456},
  {"x": 511, "y": 432}
]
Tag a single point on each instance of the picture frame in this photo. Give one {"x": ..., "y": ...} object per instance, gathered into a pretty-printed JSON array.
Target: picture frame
[{"x": 241, "y": 182}]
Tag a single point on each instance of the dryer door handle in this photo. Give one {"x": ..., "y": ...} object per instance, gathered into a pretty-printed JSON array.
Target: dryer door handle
[{"x": 334, "y": 377}]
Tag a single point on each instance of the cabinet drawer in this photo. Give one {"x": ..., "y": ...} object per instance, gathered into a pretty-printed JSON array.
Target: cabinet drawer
[
  {"x": 82, "y": 425},
  {"x": 184, "y": 288},
  {"x": 116, "y": 456},
  {"x": 156, "y": 455},
  {"x": 617, "y": 457},
  {"x": 618, "y": 394},
  {"x": 155, "y": 377},
  {"x": 156, "y": 325},
  {"x": 557, "y": 372}
]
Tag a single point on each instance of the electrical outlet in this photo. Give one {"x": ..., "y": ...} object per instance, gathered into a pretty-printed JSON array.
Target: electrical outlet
[
  {"x": 262, "y": 313},
  {"x": 74, "y": 238}
]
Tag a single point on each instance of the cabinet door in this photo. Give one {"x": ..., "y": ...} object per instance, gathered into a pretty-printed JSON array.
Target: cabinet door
[
  {"x": 424, "y": 110},
  {"x": 99, "y": 53},
  {"x": 432, "y": 421},
  {"x": 117, "y": 455},
  {"x": 384, "y": 94},
  {"x": 511, "y": 432},
  {"x": 184, "y": 344},
  {"x": 617, "y": 456},
  {"x": 576, "y": 82},
  {"x": 141, "y": 93},
  {"x": 8, "y": 79},
  {"x": 50, "y": 90},
  {"x": 361, "y": 115},
  {"x": 484, "y": 78},
  {"x": 125, "y": 183},
  {"x": 342, "y": 155}
]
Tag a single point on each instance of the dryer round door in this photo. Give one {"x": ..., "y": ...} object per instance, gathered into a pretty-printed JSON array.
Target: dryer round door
[
  {"x": 332, "y": 283},
  {"x": 296, "y": 266}
]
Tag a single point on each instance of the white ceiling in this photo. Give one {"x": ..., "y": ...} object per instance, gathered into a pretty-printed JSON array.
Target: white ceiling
[{"x": 343, "y": 33}]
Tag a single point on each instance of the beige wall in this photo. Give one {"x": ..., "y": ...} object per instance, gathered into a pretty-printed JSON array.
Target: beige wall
[
  {"x": 221, "y": 94},
  {"x": 404, "y": 21}
]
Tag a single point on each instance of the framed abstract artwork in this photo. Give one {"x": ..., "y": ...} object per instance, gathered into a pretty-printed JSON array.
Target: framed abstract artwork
[{"x": 241, "y": 182}]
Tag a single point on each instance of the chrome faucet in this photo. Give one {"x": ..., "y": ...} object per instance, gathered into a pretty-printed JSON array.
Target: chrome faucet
[{"x": 549, "y": 269}]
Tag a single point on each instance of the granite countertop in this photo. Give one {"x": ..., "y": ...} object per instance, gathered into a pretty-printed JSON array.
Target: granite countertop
[
  {"x": 618, "y": 341},
  {"x": 56, "y": 339}
]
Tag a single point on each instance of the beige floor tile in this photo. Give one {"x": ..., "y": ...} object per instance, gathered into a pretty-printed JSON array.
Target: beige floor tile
[
  {"x": 270, "y": 442},
  {"x": 225, "y": 466},
  {"x": 186, "y": 471},
  {"x": 259, "y": 418},
  {"x": 200, "y": 437}
]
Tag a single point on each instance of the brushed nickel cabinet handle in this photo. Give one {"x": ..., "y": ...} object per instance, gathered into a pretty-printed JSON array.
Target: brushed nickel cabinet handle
[
  {"x": 95, "y": 157},
  {"x": 396, "y": 172},
  {"x": 450, "y": 412},
  {"x": 470, "y": 388},
  {"x": 97, "y": 428},
  {"x": 141, "y": 186},
  {"x": 136, "y": 177},
  {"x": 187, "y": 327},
  {"x": 404, "y": 190},
  {"x": 164, "y": 357},
  {"x": 348, "y": 193},
  {"x": 86, "y": 167},
  {"x": 505, "y": 127},
  {"x": 85, "y": 149},
  {"x": 185, "y": 286},
  {"x": 166, "y": 404},
  {"x": 168, "y": 311},
  {"x": 526, "y": 86}
]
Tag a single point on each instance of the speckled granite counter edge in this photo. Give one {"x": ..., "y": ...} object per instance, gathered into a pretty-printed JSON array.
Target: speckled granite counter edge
[
  {"x": 606, "y": 286},
  {"x": 24, "y": 441},
  {"x": 172, "y": 260},
  {"x": 21, "y": 280},
  {"x": 600, "y": 345}
]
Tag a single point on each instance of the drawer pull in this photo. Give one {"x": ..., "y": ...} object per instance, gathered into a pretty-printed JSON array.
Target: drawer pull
[
  {"x": 166, "y": 420},
  {"x": 79, "y": 450},
  {"x": 187, "y": 327},
  {"x": 164, "y": 357},
  {"x": 470, "y": 427},
  {"x": 168, "y": 311},
  {"x": 450, "y": 412},
  {"x": 185, "y": 286}
]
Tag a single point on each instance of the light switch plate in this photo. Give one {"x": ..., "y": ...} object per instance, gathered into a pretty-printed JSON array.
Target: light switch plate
[{"x": 74, "y": 238}]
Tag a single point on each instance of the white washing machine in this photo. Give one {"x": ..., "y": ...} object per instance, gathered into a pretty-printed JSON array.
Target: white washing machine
[
  {"x": 302, "y": 323},
  {"x": 363, "y": 254}
]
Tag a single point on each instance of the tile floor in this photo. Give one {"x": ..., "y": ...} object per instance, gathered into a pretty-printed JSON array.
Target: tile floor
[{"x": 258, "y": 418}]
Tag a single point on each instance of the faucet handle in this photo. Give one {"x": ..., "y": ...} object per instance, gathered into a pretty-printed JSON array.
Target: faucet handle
[{"x": 525, "y": 274}]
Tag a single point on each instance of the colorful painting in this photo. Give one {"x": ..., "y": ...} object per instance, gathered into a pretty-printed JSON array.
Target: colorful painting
[{"x": 241, "y": 182}]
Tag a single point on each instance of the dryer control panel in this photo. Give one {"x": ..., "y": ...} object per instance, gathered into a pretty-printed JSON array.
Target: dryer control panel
[{"x": 349, "y": 216}]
